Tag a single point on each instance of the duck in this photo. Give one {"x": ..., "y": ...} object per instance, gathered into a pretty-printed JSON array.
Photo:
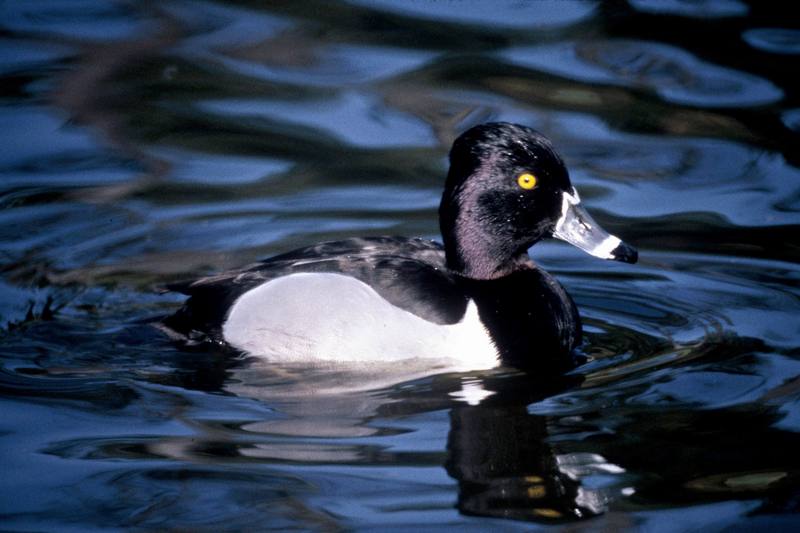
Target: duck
[{"x": 475, "y": 301}]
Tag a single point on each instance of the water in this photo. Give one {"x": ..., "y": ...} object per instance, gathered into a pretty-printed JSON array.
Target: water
[{"x": 144, "y": 143}]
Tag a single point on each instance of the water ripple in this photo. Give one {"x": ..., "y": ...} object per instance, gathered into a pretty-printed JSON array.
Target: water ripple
[
  {"x": 544, "y": 14},
  {"x": 774, "y": 40},
  {"x": 699, "y": 9},
  {"x": 673, "y": 74}
]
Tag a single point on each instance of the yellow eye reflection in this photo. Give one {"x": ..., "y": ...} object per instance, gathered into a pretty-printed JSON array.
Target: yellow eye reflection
[{"x": 526, "y": 181}]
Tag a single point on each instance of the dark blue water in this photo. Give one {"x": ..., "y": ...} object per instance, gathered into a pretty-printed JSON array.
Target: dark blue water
[{"x": 143, "y": 143}]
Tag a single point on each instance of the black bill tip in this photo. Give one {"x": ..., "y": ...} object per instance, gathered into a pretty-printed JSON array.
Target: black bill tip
[{"x": 625, "y": 253}]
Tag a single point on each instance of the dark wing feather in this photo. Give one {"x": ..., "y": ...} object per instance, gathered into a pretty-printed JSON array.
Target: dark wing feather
[{"x": 409, "y": 273}]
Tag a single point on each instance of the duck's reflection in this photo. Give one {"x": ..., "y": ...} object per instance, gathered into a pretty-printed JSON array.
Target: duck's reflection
[
  {"x": 499, "y": 453},
  {"x": 505, "y": 466}
]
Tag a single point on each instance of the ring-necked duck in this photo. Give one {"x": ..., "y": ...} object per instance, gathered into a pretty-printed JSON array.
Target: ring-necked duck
[{"x": 474, "y": 303}]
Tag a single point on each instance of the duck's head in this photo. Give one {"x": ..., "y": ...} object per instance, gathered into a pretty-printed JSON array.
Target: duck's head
[{"x": 507, "y": 188}]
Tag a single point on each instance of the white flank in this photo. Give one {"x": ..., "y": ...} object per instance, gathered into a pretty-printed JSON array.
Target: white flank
[{"x": 311, "y": 317}]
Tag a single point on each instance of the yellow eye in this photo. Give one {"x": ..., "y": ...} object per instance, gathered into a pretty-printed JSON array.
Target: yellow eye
[{"x": 526, "y": 181}]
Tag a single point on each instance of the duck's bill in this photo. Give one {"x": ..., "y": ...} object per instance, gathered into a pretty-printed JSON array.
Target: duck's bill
[{"x": 578, "y": 228}]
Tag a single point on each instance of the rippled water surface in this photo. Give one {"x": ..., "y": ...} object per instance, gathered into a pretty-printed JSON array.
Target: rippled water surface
[{"x": 148, "y": 142}]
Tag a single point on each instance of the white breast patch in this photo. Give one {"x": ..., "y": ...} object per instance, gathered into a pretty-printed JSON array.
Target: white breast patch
[{"x": 332, "y": 317}]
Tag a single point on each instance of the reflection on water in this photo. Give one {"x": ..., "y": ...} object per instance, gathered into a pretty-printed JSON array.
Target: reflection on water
[{"x": 149, "y": 143}]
